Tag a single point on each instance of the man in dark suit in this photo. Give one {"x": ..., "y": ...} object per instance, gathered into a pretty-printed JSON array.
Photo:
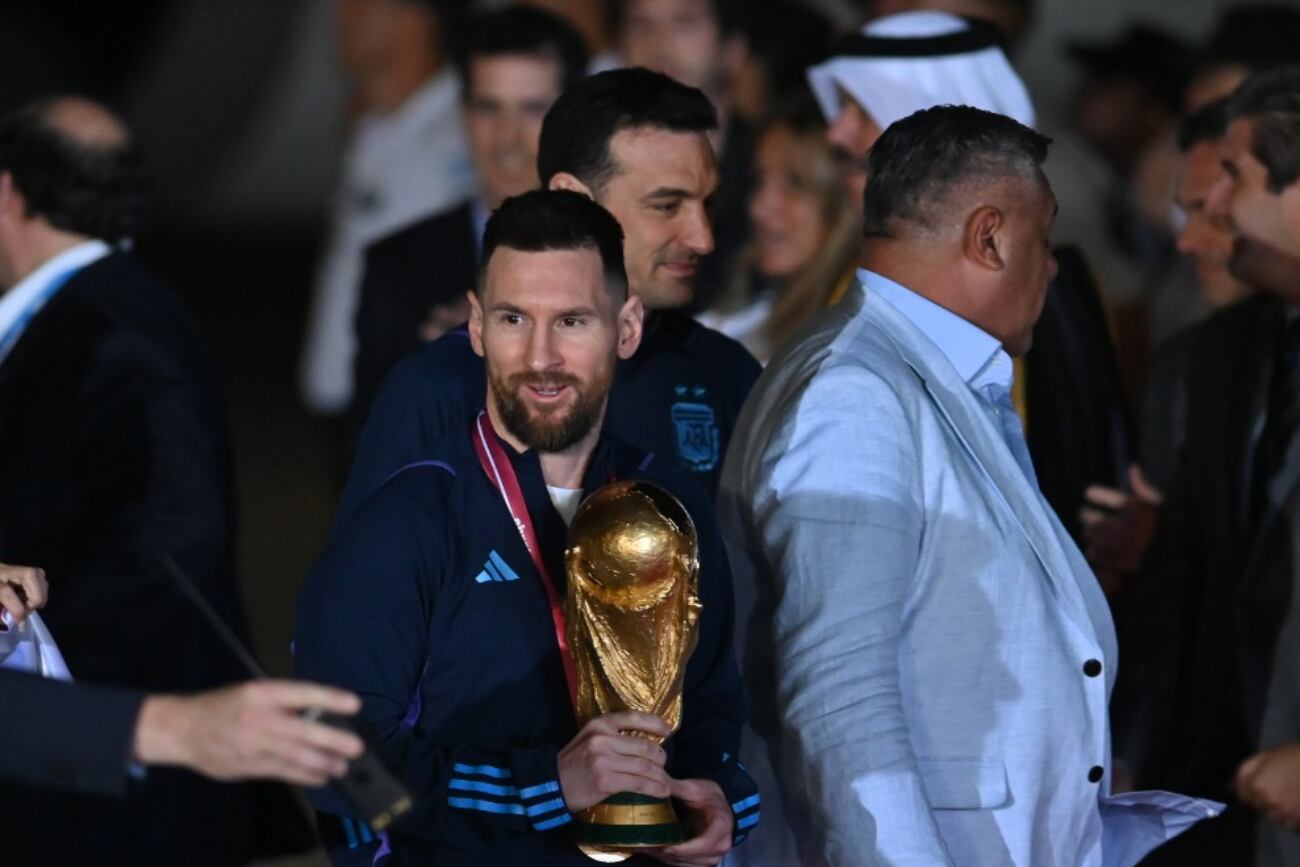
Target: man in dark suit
[
  {"x": 1209, "y": 687},
  {"x": 113, "y": 450},
  {"x": 515, "y": 63}
]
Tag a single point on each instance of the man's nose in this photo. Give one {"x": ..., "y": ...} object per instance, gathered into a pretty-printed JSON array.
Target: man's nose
[
  {"x": 697, "y": 235},
  {"x": 542, "y": 354}
]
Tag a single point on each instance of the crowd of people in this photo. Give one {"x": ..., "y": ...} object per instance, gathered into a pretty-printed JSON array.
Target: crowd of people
[{"x": 988, "y": 436}]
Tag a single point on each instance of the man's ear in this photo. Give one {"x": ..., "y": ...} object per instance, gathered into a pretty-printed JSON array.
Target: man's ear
[
  {"x": 982, "y": 238},
  {"x": 475, "y": 321},
  {"x": 630, "y": 321},
  {"x": 566, "y": 181}
]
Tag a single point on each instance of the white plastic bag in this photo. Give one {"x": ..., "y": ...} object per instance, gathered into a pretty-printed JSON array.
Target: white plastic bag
[{"x": 30, "y": 647}]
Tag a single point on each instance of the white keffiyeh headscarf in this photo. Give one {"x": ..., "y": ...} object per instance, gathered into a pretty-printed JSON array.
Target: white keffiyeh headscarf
[{"x": 900, "y": 64}]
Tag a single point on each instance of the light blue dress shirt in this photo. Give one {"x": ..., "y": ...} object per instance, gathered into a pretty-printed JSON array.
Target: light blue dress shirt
[{"x": 977, "y": 356}]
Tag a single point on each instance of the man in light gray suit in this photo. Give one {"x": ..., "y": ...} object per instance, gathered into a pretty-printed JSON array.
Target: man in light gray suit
[{"x": 930, "y": 658}]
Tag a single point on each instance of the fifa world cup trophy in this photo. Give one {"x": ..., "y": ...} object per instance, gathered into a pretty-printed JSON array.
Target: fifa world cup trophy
[{"x": 633, "y": 611}]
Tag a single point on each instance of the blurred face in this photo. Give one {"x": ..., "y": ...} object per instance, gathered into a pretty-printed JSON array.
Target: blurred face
[
  {"x": 1206, "y": 239},
  {"x": 788, "y": 217},
  {"x": 851, "y": 134},
  {"x": 507, "y": 96},
  {"x": 1241, "y": 195},
  {"x": 679, "y": 38},
  {"x": 660, "y": 195},
  {"x": 1026, "y": 251},
  {"x": 550, "y": 334}
]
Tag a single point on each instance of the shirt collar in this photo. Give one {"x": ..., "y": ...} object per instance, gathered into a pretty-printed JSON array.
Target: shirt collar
[
  {"x": 28, "y": 289},
  {"x": 977, "y": 356}
]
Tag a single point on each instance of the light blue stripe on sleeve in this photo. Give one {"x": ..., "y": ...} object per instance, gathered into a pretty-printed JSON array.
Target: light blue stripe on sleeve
[
  {"x": 482, "y": 770},
  {"x": 486, "y": 806},
  {"x": 485, "y": 788},
  {"x": 553, "y": 823},
  {"x": 543, "y": 789},
  {"x": 539, "y": 809},
  {"x": 748, "y": 822},
  {"x": 742, "y": 806}
]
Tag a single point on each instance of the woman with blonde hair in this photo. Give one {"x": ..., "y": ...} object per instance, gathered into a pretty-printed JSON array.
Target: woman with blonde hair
[{"x": 805, "y": 234}]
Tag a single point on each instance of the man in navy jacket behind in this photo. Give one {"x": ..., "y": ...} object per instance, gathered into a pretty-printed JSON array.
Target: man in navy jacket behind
[{"x": 433, "y": 605}]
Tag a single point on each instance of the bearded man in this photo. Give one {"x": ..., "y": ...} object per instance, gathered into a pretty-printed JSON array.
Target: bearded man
[{"x": 436, "y": 599}]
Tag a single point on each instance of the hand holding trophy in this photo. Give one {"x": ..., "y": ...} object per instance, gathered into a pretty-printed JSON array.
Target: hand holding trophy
[{"x": 633, "y": 612}]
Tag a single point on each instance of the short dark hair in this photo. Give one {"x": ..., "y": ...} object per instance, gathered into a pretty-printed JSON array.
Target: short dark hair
[
  {"x": 524, "y": 30},
  {"x": 920, "y": 159},
  {"x": 91, "y": 189},
  {"x": 577, "y": 130},
  {"x": 542, "y": 220},
  {"x": 1207, "y": 123},
  {"x": 726, "y": 14},
  {"x": 1271, "y": 99}
]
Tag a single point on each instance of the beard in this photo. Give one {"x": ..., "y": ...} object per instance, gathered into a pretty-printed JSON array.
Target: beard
[{"x": 553, "y": 429}]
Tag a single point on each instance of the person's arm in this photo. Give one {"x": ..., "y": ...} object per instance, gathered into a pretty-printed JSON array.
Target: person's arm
[
  {"x": 840, "y": 518},
  {"x": 721, "y": 800},
  {"x": 84, "y": 738},
  {"x": 363, "y": 616}
]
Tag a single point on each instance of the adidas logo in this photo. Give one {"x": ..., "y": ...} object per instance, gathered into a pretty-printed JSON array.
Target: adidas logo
[{"x": 495, "y": 569}]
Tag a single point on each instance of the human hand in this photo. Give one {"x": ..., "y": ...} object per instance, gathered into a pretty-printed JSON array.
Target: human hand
[
  {"x": 1269, "y": 781},
  {"x": 1118, "y": 526},
  {"x": 601, "y": 761},
  {"x": 251, "y": 730},
  {"x": 23, "y": 589},
  {"x": 710, "y": 821}
]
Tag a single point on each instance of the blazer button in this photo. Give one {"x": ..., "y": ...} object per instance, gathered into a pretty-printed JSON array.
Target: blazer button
[
  {"x": 1092, "y": 668},
  {"x": 1095, "y": 775}
]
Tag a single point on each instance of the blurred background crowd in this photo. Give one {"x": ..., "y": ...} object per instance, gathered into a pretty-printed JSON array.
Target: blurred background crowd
[{"x": 283, "y": 140}]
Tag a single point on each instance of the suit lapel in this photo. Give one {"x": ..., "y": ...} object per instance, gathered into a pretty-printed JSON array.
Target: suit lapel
[{"x": 983, "y": 442}]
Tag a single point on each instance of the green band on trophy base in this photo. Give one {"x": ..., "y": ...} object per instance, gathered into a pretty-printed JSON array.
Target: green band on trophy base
[{"x": 629, "y": 821}]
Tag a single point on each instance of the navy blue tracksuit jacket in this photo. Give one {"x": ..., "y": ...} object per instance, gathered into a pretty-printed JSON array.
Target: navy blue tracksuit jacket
[
  {"x": 427, "y": 604},
  {"x": 678, "y": 398}
]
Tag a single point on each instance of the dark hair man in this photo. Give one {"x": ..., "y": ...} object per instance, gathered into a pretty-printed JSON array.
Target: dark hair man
[
  {"x": 1118, "y": 524},
  {"x": 917, "y": 599},
  {"x": 113, "y": 450},
  {"x": 637, "y": 143},
  {"x": 700, "y": 43},
  {"x": 1261, "y": 160},
  {"x": 435, "y": 598},
  {"x": 513, "y": 65},
  {"x": 1210, "y": 700}
]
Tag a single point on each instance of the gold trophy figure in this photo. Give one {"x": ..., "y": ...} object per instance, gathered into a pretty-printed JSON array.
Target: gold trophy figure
[{"x": 633, "y": 613}]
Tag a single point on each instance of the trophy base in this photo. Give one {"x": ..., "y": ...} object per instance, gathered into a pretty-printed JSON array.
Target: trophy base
[{"x": 627, "y": 821}]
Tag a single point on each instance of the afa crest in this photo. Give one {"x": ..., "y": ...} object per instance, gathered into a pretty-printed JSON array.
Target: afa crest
[{"x": 699, "y": 444}]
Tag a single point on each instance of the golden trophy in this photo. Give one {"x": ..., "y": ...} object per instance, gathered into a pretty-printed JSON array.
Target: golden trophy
[{"x": 633, "y": 611}]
